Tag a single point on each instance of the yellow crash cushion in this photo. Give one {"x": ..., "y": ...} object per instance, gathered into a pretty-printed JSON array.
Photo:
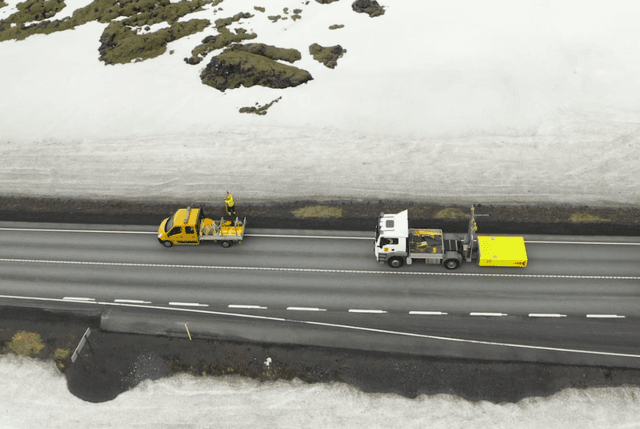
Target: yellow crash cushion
[{"x": 502, "y": 251}]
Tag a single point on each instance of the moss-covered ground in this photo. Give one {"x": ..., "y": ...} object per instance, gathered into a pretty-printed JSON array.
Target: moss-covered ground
[
  {"x": 235, "y": 67},
  {"x": 121, "y": 45},
  {"x": 370, "y": 7},
  {"x": 259, "y": 110},
  {"x": 136, "y": 13},
  {"x": 127, "y": 38},
  {"x": 327, "y": 55}
]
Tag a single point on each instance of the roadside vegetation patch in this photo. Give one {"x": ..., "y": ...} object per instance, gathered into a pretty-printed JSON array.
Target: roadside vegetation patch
[
  {"x": 60, "y": 357},
  {"x": 318, "y": 211},
  {"x": 452, "y": 213},
  {"x": 327, "y": 55},
  {"x": 26, "y": 343},
  {"x": 259, "y": 9},
  {"x": 121, "y": 45},
  {"x": 234, "y": 68},
  {"x": 586, "y": 217},
  {"x": 325, "y": 1},
  {"x": 370, "y": 7},
  {"x": 336, "y": 26},
  {"x": 259, "y": 110}
]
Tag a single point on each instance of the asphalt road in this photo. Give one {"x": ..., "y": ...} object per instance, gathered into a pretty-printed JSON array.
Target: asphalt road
[{"x": 578, "y": 301}]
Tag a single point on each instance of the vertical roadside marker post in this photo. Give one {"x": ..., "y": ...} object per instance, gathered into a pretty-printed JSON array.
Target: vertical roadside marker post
[
  {"x": 83, "y": 340},
  {"x": 188, "y": 333}
]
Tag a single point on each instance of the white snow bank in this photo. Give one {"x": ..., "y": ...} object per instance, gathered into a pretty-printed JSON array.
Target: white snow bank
[{"x": 497, "y": 101}]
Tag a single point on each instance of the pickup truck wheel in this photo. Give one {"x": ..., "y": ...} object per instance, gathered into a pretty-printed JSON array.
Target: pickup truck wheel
[
  {"x": 167, "y": 243},
  {"x": 451, "y": 264},
  {"x": 226, "y": 244},
  {"x": 396, "y": 262}
]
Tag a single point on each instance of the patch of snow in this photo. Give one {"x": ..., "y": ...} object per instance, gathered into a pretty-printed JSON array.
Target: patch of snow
[
  {"x": 186, "y": 400},
  {"x": 487, "y": 102}
]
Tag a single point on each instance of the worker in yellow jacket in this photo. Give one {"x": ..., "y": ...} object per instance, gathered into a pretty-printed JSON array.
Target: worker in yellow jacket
[{"x": 230, "y": 205}]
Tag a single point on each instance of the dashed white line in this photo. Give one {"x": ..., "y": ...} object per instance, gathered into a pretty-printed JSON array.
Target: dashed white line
[
  {"x": 314, "y": 270},
  {"x": 132, "y": 301},
  {"x": 252, "y": 307},
  {"x": 75, "y": 298},
  {"x": 428, "y": 313},
  {"x": 605, "y": 316},
  {"x": 357, "y": 310},
  {"x": 350, "y": 327},
  {"x": 487, "y": 314},
  {"x": 306, "y": 309},
  {"x": 189, "y": 304},
  {"x": 546, "y": 315}
]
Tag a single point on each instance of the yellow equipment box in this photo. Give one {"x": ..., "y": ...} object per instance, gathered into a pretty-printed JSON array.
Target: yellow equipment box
[{"x": 502, "y": 252}]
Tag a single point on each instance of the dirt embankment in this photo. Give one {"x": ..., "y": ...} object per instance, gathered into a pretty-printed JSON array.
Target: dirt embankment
[
  {"x": 113, "y": 363},
  {"x": 548, "y": 219}
]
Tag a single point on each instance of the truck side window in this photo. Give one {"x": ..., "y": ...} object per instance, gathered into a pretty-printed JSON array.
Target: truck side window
[
  {"x": 188, "y": 230},
  {"x": 386, "y": 241},
  {"x": 174, "y": 231}
]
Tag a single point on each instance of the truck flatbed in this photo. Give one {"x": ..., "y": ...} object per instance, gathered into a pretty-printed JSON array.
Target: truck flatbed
[{"x": 214, "y": 230}]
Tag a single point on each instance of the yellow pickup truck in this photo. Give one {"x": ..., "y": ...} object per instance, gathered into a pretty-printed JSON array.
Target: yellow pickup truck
[{"x": 190, "y": 226}]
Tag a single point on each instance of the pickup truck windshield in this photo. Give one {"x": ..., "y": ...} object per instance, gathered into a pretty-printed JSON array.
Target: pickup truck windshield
[{"x": 169, "y": 225}]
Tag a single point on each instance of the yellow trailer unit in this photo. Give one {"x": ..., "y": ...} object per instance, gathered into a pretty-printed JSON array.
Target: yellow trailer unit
[{"x": 502, "y": 251}]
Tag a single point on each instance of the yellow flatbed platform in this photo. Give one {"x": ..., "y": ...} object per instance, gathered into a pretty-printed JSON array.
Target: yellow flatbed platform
[{"x": 500, "y": 251}]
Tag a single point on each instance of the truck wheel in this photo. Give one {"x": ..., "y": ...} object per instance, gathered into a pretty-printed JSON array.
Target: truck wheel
[
  {"x": 167, "y": 243},
  {"x": 396, "y": 262},
  {"x": 451, "y": 264},
  {"x": 226, "y": 244}
]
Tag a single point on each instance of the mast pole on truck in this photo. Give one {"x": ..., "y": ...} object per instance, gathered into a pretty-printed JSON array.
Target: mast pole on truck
[{"x": 467, "y": 243}]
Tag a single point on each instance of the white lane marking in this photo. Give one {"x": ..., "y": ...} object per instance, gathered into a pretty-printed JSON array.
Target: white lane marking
[
  {"x": 605, "y": 316},
  {"x": 429, "y": 313},
  {"x": 189, "y": 304},
  {"x": 546, "y": 315},
  {"x": 100, "y": 231},
  {"x": 487, "y": 314},
  {"x": 595, "y": 243},
  {"x": 132, "y": 301},
  {"x": 309, "y": 236},
  {"x": 253, "y": 307},
  {"x": 306, "y": 309},
  {"x": 95, "y": 231},
  {"x": 316, "y": 270},
  {"x": 357, "y": 310},
  {"x": 74, "y": 298},
  {"x": 335, "y": 325}
]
